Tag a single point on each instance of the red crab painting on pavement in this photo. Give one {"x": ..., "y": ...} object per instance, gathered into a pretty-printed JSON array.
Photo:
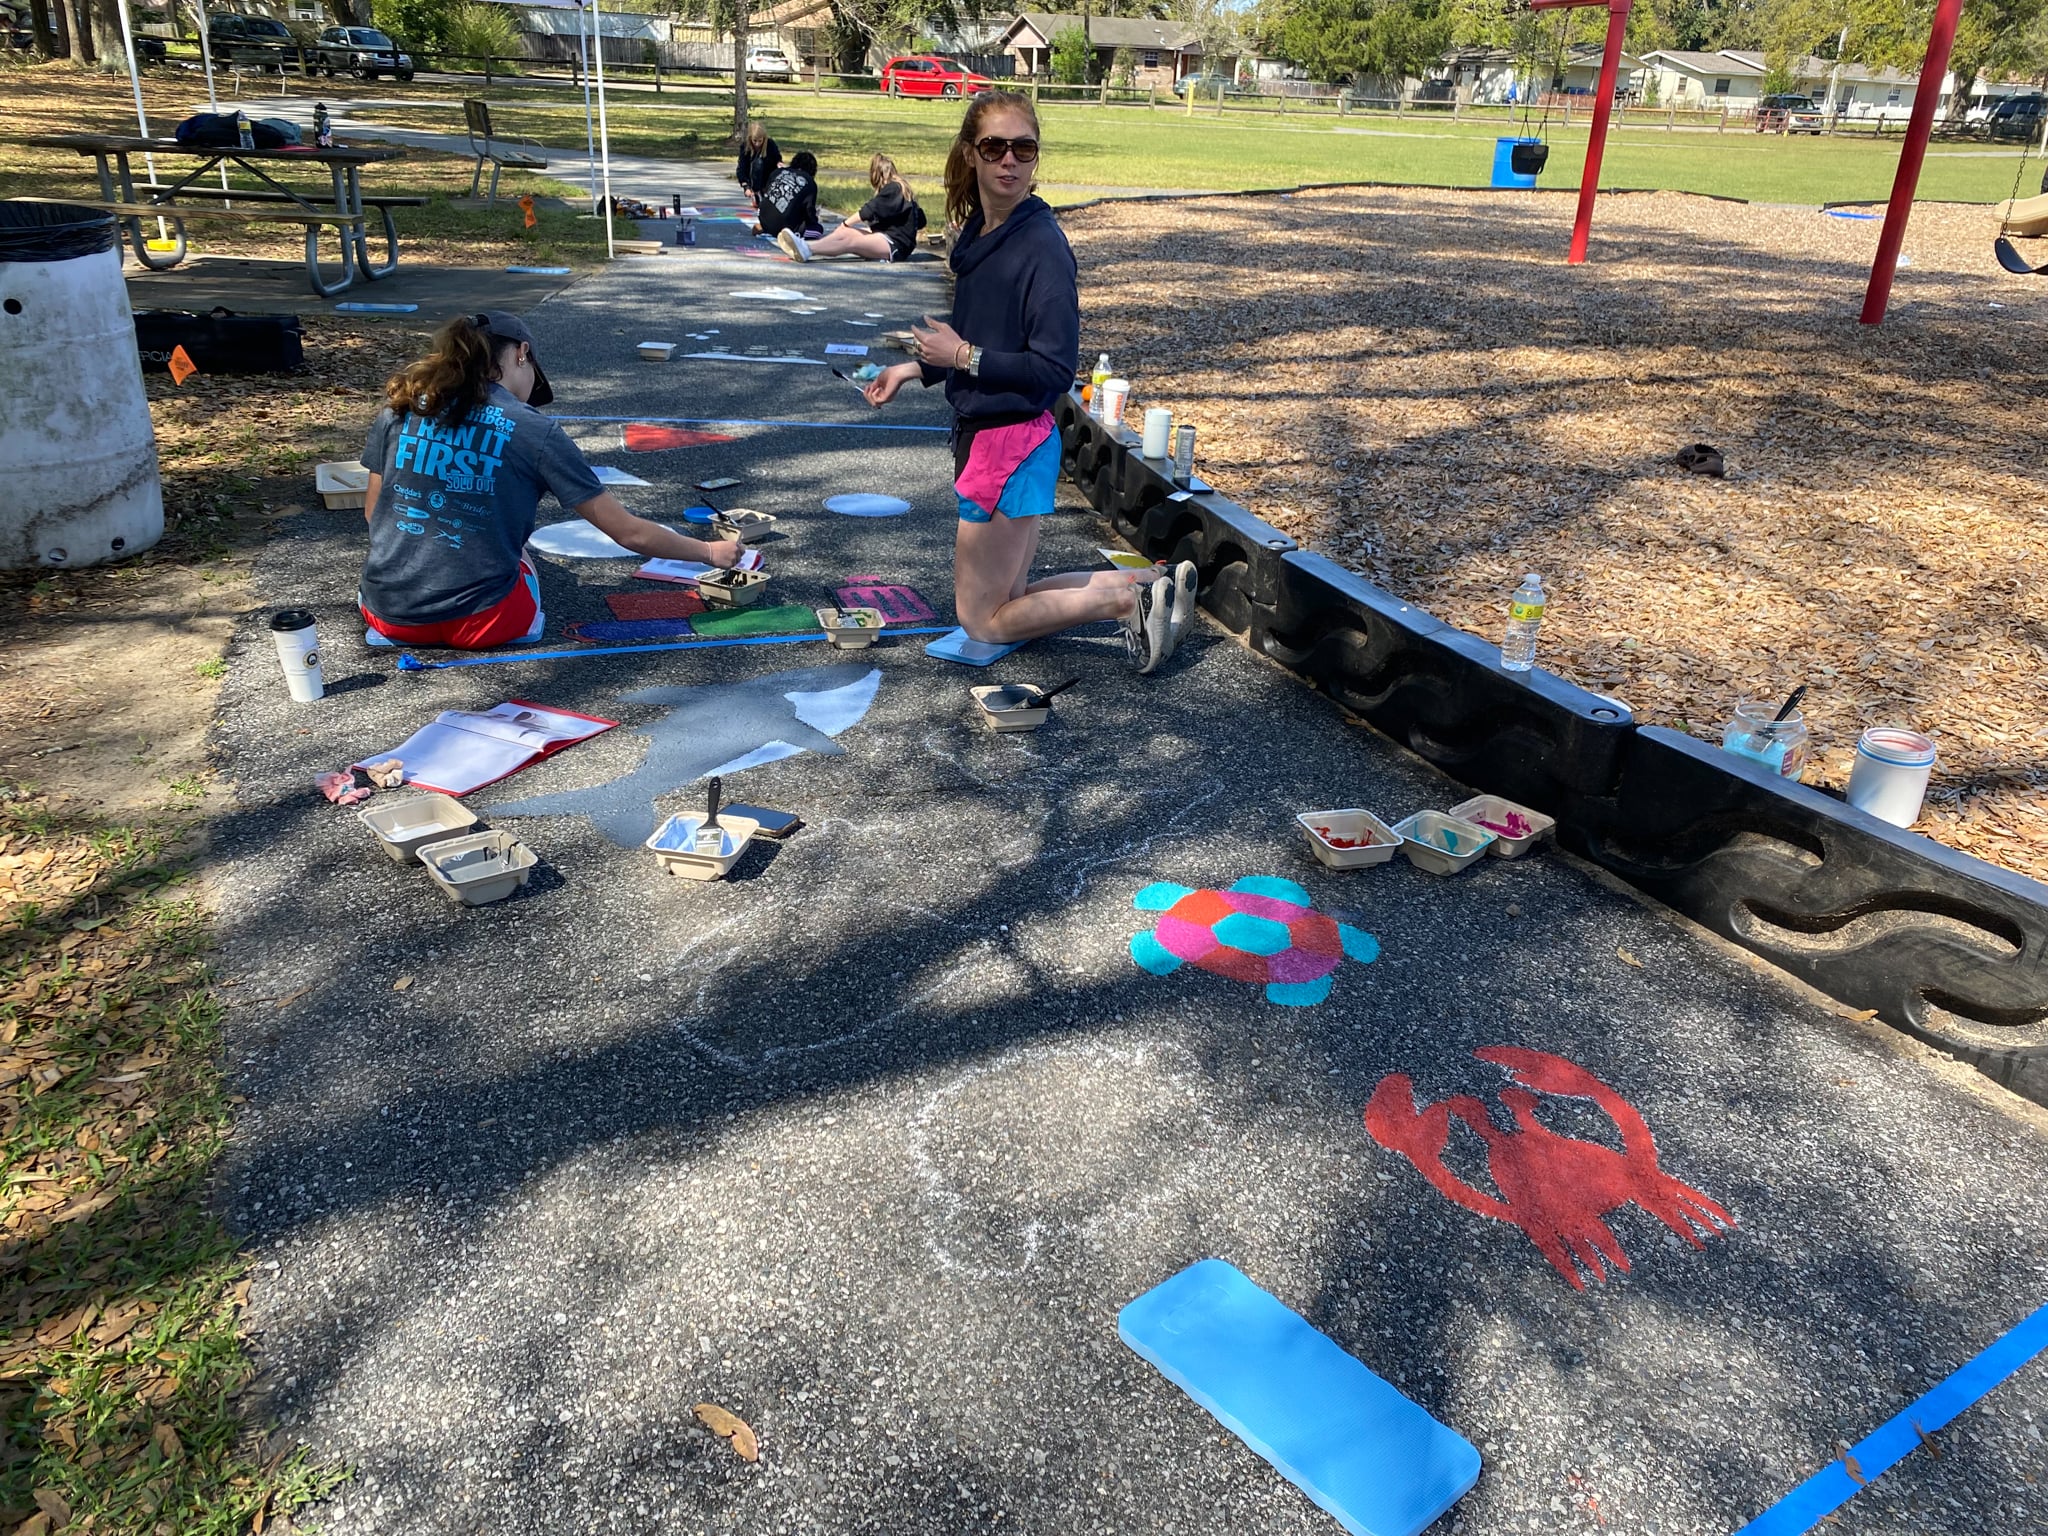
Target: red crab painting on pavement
[{"x": 1557, "y": 1189}]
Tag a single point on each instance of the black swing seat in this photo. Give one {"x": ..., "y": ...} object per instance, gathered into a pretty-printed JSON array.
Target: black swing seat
[
  {"x": 2009, "y": 258},
  {"x": 1528, "y": 159}
]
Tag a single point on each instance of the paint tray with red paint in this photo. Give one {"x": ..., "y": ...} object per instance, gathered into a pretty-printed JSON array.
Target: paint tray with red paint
[
  {"x": 896, "y": 604},
  {"x": 1347, "y": 1438}
]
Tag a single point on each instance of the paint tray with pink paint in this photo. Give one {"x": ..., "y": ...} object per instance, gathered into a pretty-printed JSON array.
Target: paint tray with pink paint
[
  {"x": 1516, "y": 828},
  {"x": 1349, "y": 839},
  {"x": 1441, "y": 844}
]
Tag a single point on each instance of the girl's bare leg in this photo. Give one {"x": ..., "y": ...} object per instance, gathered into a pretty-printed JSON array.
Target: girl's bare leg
[
  {"x": 855, "y": 242},
  {"x": 998, "y": 602}
]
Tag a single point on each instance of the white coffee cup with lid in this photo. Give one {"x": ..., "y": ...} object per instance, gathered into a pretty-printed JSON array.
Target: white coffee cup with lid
[{"x": 298, "y": 652}]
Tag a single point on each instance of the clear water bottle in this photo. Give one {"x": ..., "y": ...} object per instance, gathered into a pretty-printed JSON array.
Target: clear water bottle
[
  {"x": 1525, "y": 617},
  {"x": 1096, "y": 379},
  {"x": 242, "y": 134}
]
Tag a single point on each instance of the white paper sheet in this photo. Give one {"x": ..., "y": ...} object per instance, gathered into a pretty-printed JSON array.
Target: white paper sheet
[{"x": 687, "y": 571}]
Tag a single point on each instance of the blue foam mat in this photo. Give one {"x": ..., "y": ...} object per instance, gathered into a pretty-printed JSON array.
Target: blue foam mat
[
  {"x": 1369, "y": 1456},
  {"x": 973, "y": 653}
]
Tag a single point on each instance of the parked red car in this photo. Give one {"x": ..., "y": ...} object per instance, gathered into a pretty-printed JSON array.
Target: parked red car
[{"x": 924, "y": 74}]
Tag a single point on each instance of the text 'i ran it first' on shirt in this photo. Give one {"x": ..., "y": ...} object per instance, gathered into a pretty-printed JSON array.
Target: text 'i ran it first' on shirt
[{"x": 457, "y": 504}]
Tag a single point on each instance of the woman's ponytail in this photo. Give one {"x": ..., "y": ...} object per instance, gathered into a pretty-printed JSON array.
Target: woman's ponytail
[{"x": 450, "y": 381}]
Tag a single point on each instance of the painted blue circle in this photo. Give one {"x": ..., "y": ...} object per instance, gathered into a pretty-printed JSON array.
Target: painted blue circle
[{"x": 865, "y": 504}]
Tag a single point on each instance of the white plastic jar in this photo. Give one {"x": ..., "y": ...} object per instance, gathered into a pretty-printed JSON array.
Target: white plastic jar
[{"x": 1890, "y": 777}]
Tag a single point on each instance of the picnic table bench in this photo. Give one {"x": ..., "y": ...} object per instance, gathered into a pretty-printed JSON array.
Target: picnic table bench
[
  {"x": 483, "y": 143},
  {"x": 133, "y": 201}
]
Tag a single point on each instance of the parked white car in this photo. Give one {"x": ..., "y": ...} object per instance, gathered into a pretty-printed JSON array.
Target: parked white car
[{"x": 769, "y": 64}]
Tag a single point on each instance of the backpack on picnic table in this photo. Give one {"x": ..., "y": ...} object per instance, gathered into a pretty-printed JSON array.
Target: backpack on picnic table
[{"x": 217, "y": 130}]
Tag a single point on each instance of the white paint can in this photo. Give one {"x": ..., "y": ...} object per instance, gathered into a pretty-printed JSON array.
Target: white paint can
[
  {"x": 78, "y": 467},
  {"x": 1158, "y": 432},
  {"x": 298, "y": 652},
  {"x": 1890, "y": 777}
]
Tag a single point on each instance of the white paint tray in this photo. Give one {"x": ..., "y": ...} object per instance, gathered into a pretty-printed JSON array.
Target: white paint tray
[
  {"x": 1481, "y": 810},
  {"x": 404, "y": 827},
  {"x": 675, "y": 844},
  {"x": 1441, "y": 844},
  {"x": 851, "y": 629},
  {"x": 342, "y": 484},
  {"x": 1010, "y": 706},
  {"x": 1381, "y": 842},
  {"x": 732, "y": 589},
  {"x": 481, "y": 868},
  {"x": 656, "y": 351},
  {"x": 744, "y": 523}
]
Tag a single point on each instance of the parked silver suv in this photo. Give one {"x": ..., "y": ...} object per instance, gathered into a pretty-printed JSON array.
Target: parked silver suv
[{"x": 363, "y": 52}]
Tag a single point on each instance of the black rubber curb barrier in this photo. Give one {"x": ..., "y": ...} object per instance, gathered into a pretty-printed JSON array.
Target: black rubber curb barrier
[{"x": 1941, "y": 945}]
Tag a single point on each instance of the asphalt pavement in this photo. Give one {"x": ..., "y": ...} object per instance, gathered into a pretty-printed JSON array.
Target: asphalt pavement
[{"x": 869, "y": 1143}]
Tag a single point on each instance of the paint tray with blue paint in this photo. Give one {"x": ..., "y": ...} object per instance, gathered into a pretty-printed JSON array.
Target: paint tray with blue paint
[
  {"x": 1441, "y": 844},
  {"x": 1379, "y": 1463},
  {"x": 686, "y": 847}
]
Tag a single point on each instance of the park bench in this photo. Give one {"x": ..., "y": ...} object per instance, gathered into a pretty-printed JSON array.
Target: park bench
[
  {"x": 350, "y": 225},
  {"x": 484, "y": 144}
]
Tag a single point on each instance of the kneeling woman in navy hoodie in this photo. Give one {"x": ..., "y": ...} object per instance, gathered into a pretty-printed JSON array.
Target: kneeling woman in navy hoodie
[{"x": 1007, "y": 355}]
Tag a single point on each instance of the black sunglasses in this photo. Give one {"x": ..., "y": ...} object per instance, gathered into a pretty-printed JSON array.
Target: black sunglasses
[{"x": 993, "y": 149}]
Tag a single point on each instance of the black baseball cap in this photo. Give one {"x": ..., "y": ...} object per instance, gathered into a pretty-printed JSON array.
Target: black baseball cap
[{"x": 506, "y": 326}]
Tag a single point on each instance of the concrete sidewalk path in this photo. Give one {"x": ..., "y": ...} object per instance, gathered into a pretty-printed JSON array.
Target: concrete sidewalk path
[{"x": 869, "y": 1144}]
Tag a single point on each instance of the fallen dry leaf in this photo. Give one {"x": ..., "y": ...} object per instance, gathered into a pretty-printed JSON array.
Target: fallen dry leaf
[
  {"x": 37, "y": 1524},
  {"x": 1863, "y": 1015},
  {"x": 1629, "y": 958},
  {"x": 292, "y": 997},
  {"x": 729, "y": 1426},
  {"x": 401, "y": 984},
  {"x": 168, "y": 1443}
]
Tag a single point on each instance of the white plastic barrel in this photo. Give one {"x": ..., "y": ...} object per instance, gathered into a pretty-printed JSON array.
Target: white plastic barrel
[{"x": 78, "y": 469}]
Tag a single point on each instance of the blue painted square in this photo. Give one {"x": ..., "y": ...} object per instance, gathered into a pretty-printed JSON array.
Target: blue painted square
[{"x": 1375, "y": 1460}]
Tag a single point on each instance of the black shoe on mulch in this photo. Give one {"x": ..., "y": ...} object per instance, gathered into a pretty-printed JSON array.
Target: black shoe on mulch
[{"x": 1702, "y": 459}]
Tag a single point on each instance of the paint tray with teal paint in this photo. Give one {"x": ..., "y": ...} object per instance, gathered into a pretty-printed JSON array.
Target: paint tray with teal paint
[{"x": 1379, "y": 1463}]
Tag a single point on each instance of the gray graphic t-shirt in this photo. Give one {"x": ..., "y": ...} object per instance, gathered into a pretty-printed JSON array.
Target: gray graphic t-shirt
[{"x": 457, "y": 505}]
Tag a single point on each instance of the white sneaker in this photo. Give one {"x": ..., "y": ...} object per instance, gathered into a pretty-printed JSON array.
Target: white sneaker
[
  {"x": 1137, "y": 639},
  {"x": 1182, "y": 583},
  {"x": 794, "y": 244},
  {"x": 1146, "y": 629}
]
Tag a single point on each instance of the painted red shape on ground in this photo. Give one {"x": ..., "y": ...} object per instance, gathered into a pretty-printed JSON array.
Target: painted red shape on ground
[
  {"x": 647, "y": 437},
  {"x": 653, "y": 605},
  {"x": 1555, "y": 1188}
]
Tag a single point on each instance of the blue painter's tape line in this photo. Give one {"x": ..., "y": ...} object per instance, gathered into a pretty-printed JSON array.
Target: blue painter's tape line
[
  {"x": 375, "y": 309},
  {"x": 411, "y": 663},
  {"x": 540, "y": 271},
  {"x": 736, "y": 421},
  {"x": 1899, "y": 1436}
]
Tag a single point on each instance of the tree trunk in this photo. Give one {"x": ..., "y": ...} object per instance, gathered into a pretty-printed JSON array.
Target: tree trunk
[
  {"x": 107, "y": 46},
  {"x": 346, "y": 13},
  {"x": 739, "y": 66},
  {"x": 48, "y": 27},
  {"x": 81, "y": 31}
]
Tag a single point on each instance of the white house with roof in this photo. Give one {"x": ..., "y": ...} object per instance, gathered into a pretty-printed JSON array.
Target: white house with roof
[{"x": 1495, "y": 75}]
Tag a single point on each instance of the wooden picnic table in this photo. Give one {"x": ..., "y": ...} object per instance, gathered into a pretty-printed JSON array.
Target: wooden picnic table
[{"x": 137, "y": 202}]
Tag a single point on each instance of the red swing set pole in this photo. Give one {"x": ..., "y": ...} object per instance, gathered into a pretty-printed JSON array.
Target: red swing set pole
[
  {"x": 1603, "y": 112},
  {"x": 1932, "y": 72}
]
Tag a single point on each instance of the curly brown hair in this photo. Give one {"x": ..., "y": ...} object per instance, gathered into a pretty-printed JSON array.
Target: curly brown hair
[
  {"x": 963, "y": 192},
  {"x": 450, "y": 381}
]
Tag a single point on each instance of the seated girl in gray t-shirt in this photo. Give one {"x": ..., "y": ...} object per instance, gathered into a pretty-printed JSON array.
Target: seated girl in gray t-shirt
[{"x": 458, "y": 460}]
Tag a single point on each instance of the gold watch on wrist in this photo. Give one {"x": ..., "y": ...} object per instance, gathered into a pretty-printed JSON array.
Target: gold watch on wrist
[{"x": 974, "y": 361}]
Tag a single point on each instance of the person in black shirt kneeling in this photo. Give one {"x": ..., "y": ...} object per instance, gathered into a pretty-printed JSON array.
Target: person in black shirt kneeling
[{"x": 790, "y": 201}]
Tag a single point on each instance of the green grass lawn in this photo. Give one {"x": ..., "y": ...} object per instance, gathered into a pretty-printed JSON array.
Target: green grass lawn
[{"x": 1096, "y": 147}]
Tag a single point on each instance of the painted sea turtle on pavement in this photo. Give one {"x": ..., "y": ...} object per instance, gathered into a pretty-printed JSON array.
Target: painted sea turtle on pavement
[{"x": 1262, "y": 930}]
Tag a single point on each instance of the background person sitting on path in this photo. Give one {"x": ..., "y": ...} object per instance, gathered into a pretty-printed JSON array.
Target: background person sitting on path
[
  {"x": 760, "y": 158},
  {"x": 790, "y": 203},
  {"x": 1008, "y": 354},
  {"x": 886, "y": 229},
  {"x": 458, "y": 461}
]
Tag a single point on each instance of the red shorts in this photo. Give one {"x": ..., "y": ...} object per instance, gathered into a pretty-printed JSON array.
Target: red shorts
[{"x": 507, "y": 620}]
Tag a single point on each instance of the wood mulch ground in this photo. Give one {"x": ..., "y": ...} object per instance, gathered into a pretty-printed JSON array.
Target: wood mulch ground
[{"x": 1416, "y": 384}]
